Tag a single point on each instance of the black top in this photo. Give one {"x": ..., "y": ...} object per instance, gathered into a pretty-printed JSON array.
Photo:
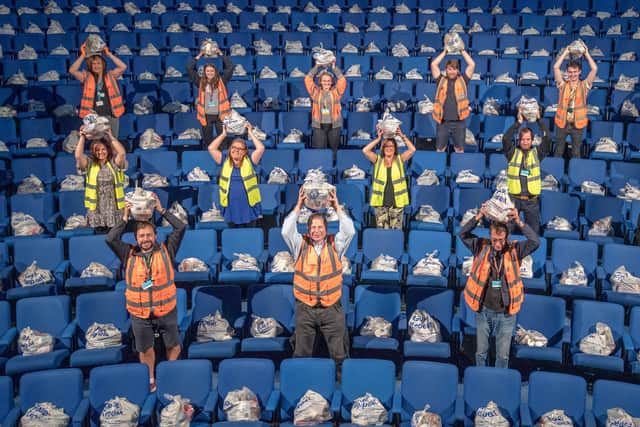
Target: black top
[
  {"x": 450, "y": 107},
  {"x": 497, "y": 298},
  {"x": 388, "y": 200},
  {"x": 101, "y": 102},
  {"x": 227, "y": 70},
  {"x": 122, "y": 249}
]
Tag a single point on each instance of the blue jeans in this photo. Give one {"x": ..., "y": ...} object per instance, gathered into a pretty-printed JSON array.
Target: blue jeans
[{"x": 499, "y": 324}]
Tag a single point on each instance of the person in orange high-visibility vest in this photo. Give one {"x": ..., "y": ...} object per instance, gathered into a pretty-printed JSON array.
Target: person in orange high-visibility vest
[
  {"x": 451, "y": 104},
  {"x": 100, "y": 91},
  {"x": 317, "y": 279},
  {"x": 494, "y": 289},
  {"x": 571, "y": 115},
  {"x": 150, "y": 293}
]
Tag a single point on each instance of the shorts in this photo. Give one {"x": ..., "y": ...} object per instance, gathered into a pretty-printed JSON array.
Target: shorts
[
  {"x": 166, "y": 326},
  {"x": 454, "y": 129}
]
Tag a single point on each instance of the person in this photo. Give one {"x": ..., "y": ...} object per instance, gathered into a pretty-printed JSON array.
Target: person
[
  {"x": 389, "y": 192},
  {"x": 326, "y": 111},
  {"x": 213, "y": 103},
  {"x": 494, "y": 289},
  {"x": 100, "y": 91},
  {"x": 524, "y": 180},
  {"x": 451, "y": 104},
  {"x": 238, "y": 184},
  {"x": 571, "y": 115},
  {"x": 150, "y": 293},
  {"x": 317, "y": 279},
  {"x": 104, "y": 180}
]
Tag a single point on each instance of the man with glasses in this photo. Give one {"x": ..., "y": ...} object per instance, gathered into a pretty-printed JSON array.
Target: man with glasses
[{"x": 494, "y": 289}]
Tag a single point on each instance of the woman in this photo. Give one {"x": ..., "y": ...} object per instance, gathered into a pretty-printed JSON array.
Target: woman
[
  {"x": 239, "y": 192},
  {"x": 389, "y": 193},
  {"x": 213, "y": 101},
  {"x": 326, "y": 112},
  {"x": 100, "y": 93},
  {"x": 104, "y": 184}
]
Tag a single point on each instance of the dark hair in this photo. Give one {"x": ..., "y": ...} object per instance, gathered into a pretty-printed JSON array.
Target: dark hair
[
  {"x": 525, "y": 130},
  {"x": 314, "y": 216},
  {"x": 395, "y": 145},
  {"x": 575, "y": 64},
  {"x": 499, "y": 227},
  {"x": 203, "y": 80},
  {"x": 452, "y": 63},
  {"x": 107, "y": 146},
  {"x": 144, "y": 224}
]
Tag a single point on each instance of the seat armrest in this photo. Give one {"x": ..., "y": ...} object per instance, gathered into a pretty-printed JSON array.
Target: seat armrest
[
  {"x": 147, "y": 407},
  {"x": 525, "y": 416},
  {"x": 11, "y": 420},
  {"x": 272, "y": 404},
  {"x": 210, "y": 404},
  {"x": 336, "y": 403},
  {"x": 80, "y": 416}
]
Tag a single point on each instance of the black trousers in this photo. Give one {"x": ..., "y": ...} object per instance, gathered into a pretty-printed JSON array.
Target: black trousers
[
  {"x": 326, "y": 136},
  {"x": 213, "y": 120},
  {"x": 531, "y": 211},
  {"x": 331, "y": 324},
  {"x": 561, "y": 141}
]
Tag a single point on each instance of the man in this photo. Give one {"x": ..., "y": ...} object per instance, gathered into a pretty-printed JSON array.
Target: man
[
  {"x": 451, "y": 104},
  {"x": 317, "y": 280},
  {"x": 524, "y": 180},
  {"x": 494, "y": 289},
  {"x": 571, "y": 115},
  {"x": 150, "y": 293}
]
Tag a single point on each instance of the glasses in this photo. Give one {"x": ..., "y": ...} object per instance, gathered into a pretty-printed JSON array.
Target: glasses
[{"x": 237, "y": 149}]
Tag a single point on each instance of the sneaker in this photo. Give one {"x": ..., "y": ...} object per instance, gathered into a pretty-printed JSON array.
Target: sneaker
[{"x": 152, "y": 385}]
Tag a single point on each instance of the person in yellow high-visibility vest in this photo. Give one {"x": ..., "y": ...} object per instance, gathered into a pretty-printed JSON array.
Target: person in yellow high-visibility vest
[
  {"x": 389, "y": 191},
  {"x": 105, "y": 180},
  {"x": 238, "y": 184},
  {"x": 524, "y": 179}
]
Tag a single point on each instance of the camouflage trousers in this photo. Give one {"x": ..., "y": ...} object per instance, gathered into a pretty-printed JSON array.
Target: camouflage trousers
[{"x": 388, "y": 217}]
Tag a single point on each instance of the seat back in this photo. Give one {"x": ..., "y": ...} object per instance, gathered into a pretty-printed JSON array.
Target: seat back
[
  {"x": 440, "y": 392},
  {"x": 255, "y": 374},
  {"x": 378, "y": 301},
  {"x": 484, "y": 384},
  {"x": 553, "y": 390},
  {"x": 360, "y": 376},
  {"x": 50, "y": 314},
  {"x": 46, "y": 386},
  {"x": 188, "y": 378},
  {"x": 301, "y": 374},
  {"x": 128, "y": 380},
  {"x": 544, "y": 314}
]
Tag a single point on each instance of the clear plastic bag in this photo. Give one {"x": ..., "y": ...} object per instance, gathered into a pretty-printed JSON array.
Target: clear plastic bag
[
  {"x": 499, "y": 205},
  {"x": 490, "y": 416},
  {"x": 312, "y": 409},
  {"x": 278, "y": 176},
  {"x": 317, "y": 189},
  {"x": 30, "y": 185},
  {"x": 368, "y": 411},
  {"x": 467, "y": 176},
  {"x": 36, "y": 143},
  {"x": 453, "y": 43},
  {"x": 601, "y": 227},
  {"x": 76, "y": 221},
  {"x": 384, "y": 263},
  {"x": 154, "y": 180},
  {"x": 283, "y": 262},
  {"x": 190, "y": 133},
  {"x": 198, "y": 175},
  {"x": 322, "y": 56},
  {"x": 364, "y": 104},
  {"x": 265, "y": 327},
  {"x": 95, "y": 126},
  {"x": 143, "y": 107},
  {"x": 400, "y": 51},
  {"x": 94, "y": 45},
  {"x": 44, "y": 414},
  {"x": 95, "y": 269},
  {"x": 599, "y": 342},
  {"x": 209, "y": 48},
  {"x": 237, "y": 101},
  {"x": 383, "y": 74},
  {"x": 177, "y": 210},
  {"x": 623, "y": 281},
  {"x": 428, "y": 214},
  {"x": 244, "y": 262},
  {"x": 559, "y": 223},
  {"x": 574, "y": 276},
  {"x": 354, "y": 172},
  {"x": 606, "y": 145},
  {"x": 212, "y": 215},
  {"x": 423, "y": 327},
  {"x": 143, "y": 203},
  {"x": 241, "y": 405},
  {"x": 500, "y": 180},
  {"x": 376, "y": 326},
  {"x": 214, "y": 327},
  {"x": 530, "y": 108},
  {"x": 424, "y": 418},
  {"x": 468, "y": 215},
  {"x": 235, "y": 123},
  {"x": 192, "y": 264},
  {"x": 389, "y": 124},
  {"x": 72, "y": 183},
  {"x": 530, "y": 337},
  {"x": 34, "y": 275},
  {"x": 32, "y": 342},
  {"x": 430, "y": 265},
  {"x": 294, "y": 137},
  {"x": 413, "y": 74},
  {"x": 550, "y": 183},
  {"x": 119, "y": 412},
  {"x": 554, "y": 418},
  {"x": 24, "y": 224},
  {"x": 428, "y": 177},
  {"x": 99, "y": 336},
  {"x": 618, "y": 417},
  {"x": 178, "y": 413}
]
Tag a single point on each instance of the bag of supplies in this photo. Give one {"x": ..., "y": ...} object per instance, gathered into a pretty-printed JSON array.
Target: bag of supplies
[
  {"x": 368, "y": 411},
  {"x": 554, "y": 418},
  {"x": 244, "y": 262},
  {"x": 265, "y": 327},
  {"x": 499, "y": 205},
  {"x": 384, "y": 263},
  {"x": 424, "y": 418},
  {"x": 600, "y": 342},
  {"x": 213, "y": 327},
  {"x": 32, "y": 342},
  {"x": 530, "y": 337},
  {"x": 95, "y": 269},
  {"x": 44, "y": 414},
  {"x": 574, "y": 276},
  {"x": 423, "y": 327},
  {"x": 34, "y": 275},
  {"x": 312, "y": 409},
  {"x": 241, "y": 405},
  {"x": 430, "y": 265},
  {"x": 178, "y": 413},
  {"x": 376, "y": 326},
  {"x": 618, "y": 417},
  {"x": 119, "y": 412},
  {"x": 100, "y": 336},
  {"x": 490, "y": 416},
  {"x": 624, "y": 281}
]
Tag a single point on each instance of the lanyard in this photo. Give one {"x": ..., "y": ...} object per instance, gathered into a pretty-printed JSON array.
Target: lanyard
[
  {"x": 148, "y": 261},
  {"x": 497, "y": 266}
]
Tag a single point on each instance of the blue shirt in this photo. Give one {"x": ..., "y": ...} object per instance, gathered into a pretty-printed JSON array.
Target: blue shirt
[{"x": 239, "y": 211}]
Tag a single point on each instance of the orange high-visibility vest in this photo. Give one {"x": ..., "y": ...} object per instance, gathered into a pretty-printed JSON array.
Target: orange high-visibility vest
[
  {"x": 316, "y": 94},
  {"x": 579, "y": 106},
  {"x": 479, "y": 276},
  {"x": 89, "y": 91},
  {"x": 318, "y": 278},
  {"x": 160, "y": 298},
  {"x": 224, "y": 107},
  {"x": 460, "y": 92}
]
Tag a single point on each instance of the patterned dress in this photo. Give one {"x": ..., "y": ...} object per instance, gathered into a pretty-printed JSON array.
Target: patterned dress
[{"x": 106, "y": 213}]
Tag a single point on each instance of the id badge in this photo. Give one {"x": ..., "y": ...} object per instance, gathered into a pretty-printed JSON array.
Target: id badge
[
  {"x": 211, "y": 104},
  {"x": 496, "y": 284},
  {"x": 325, "y": 111},
  {"x": 524, "y": 172},
  {"x": 147, "y": 284},
  {"x": 99, "y": 103}
]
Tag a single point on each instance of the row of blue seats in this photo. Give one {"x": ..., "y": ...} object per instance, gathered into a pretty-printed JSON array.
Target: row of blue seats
[
  {"x": 51, "y": 314},
  {"x": 422, "y": 384}
]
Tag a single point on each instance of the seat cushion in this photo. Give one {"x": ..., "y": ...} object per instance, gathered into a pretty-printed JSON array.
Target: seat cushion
[{"x": 21, "y": 364}]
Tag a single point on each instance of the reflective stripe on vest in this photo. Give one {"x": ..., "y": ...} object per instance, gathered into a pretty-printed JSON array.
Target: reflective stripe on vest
[
  {"x": 89, "y": 91},
  {"x": 224, "y": 107},
  {"x": 91, "y": 186},
  {"x": 460, "y": 92},
  {"x": 160, "y": 298},
  {"x": 249, "y": 180},
  {"x": 398, "y": 182},
  {"x": 534, "y": 183},
  {"x": 318, "y": 278},
  {"x": 579, "y": 106},
  {"x": 479, "y": 274}
]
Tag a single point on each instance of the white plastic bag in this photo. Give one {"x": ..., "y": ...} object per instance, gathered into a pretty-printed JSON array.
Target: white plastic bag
[
  {"x": 526, "y": 267},
  {"x": 601, "y": 227},
  {"x": 30, "y": 185},
  {"x": 428, "y": 177},
  {"x": 574, "y": 276},
  {"x": 95, "y": 269},
  {"x": 550, "y": 183},
  {"x": 119, "y": 412},
  {"x": 71, "y": 141},
  {"x": 554, "y": 418},
  {"x": 143, "y": 203},
  {"x": 265, "y": 327},
  {"x": 423, "y": 327},
  {"x": 95, "y": 126},
  {"x": 606, "y": 145},
  {"x": 34, "y": 275},
  {"x": 623, "y": 281},
  {"x": 530, "y": 337},
  {"x": 430, "y": 265},
  {"x": 600, "y": 342},
  {"x": 453, "y": 43},
  {"x": 154, "y": 180},
  {"x": 244, "y": 262},
  {"x": 283, "y": 262},
  {"x": 389, "y": 124},
  {"x": 150, "y": 140},
  {"x": 428, "y": 214},
  {"x": 376, "y": 326},
  {"x": 278, "y": 176},
  {"x": 192, "y": 264},
  {"x": 424, "y": 418},
  {"x": 322, "y": 56},
  {"x": 179, "y": 212},
  {"x": 178, "y": 413},
  {"x": 72, "y": 183},
  {"x": 100, "y": 336},
  {"x": 368, "y": 411},
  {"x": 499, "y": 205},
  {"x": 212, "y": 215},
  {"x": 490, "y": 416},
  {"x": 312, "y": 409},
  {"x": 198, "y": 175},
  {"x": 241, "y": 405},
  {"x": 235, "y": 123},
  {"x": 530, "y": 108},
  {"x": 618, "y": 417},
  {"x": 44, "y": 414},
  {"x": 76, "y": 221},
  {"x": 316, "y": 189},
  {"x": 559, "y": 223},
  {"x": 32, "y": 342},
  {"x": 24, "y": 224},
  {"x": 354, "y": 172},
  {"x": 384, "y": 263},
  {"x": 213, "y": 327},
  {"x": 467, "y": 176}
]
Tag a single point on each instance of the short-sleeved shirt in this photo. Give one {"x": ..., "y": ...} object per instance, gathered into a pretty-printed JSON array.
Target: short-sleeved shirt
[{"x": 450, "y": 107}]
